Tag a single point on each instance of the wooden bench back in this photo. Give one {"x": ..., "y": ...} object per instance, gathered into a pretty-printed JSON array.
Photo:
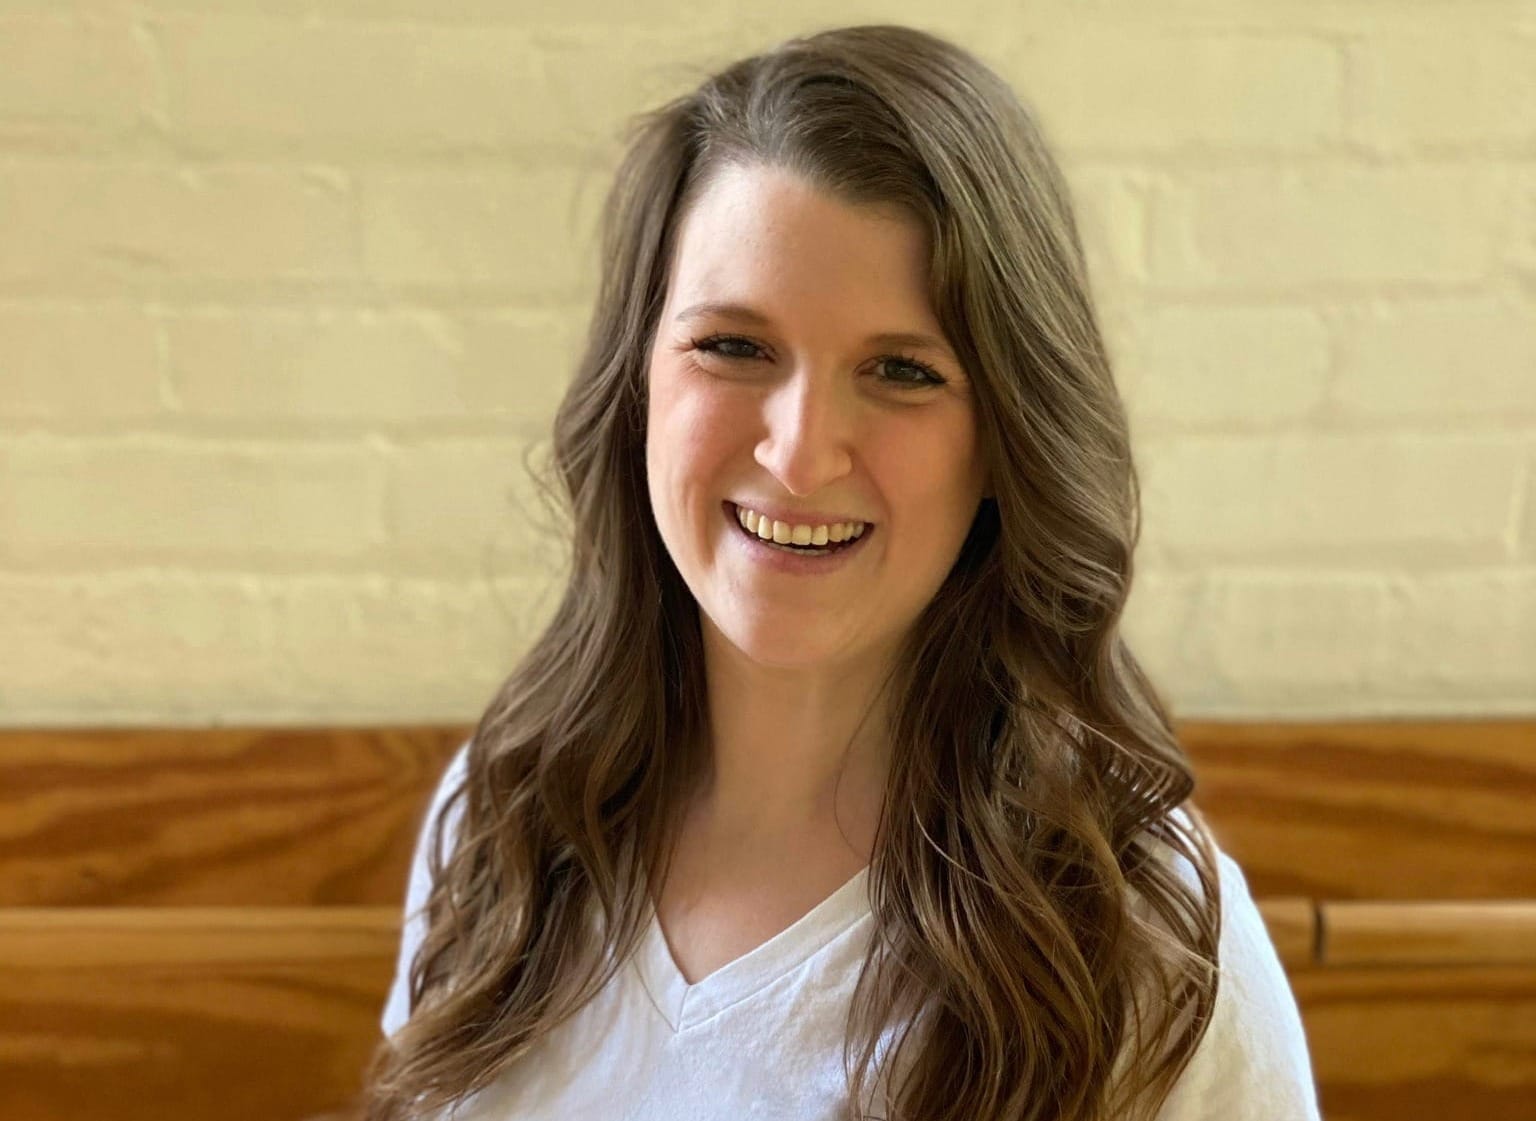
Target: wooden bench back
[{"x": 204, "y": 923}]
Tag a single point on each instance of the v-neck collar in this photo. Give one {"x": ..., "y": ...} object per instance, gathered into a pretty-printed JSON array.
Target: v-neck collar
[{"x": 684, "y": 1006}]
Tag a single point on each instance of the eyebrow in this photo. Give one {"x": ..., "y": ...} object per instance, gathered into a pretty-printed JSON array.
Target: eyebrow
[{"x": 752, "y": 315}]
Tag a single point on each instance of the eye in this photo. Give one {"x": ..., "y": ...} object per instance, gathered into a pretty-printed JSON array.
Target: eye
[
  {"x": 899, "y": 370},
  {"x": 726, "y": 346},
  {"x": 910, "y": 373}
]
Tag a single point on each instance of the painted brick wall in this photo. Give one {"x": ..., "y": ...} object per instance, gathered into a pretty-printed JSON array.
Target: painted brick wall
[{"x": 289, "y": 289}]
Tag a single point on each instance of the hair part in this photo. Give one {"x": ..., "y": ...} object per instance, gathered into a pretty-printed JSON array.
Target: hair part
[{"x": 1037, "y": 953}]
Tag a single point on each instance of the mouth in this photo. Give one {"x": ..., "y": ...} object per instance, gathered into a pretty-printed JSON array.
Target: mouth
[{"x": 759, "y": 531}]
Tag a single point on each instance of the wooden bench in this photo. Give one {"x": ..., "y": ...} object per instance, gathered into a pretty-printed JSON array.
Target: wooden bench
[{"x": 203, "y": 923}]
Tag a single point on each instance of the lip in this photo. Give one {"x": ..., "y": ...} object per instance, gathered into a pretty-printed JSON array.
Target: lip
[{"x": 796, "y": 564}]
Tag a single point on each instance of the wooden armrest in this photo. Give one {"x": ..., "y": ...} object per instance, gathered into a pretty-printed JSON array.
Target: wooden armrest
[
  {"x": 128, "y": 937},
  {"x": 1495, "y": 932}
]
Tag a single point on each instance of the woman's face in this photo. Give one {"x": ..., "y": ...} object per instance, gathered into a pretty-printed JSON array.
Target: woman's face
[{"x": 776, "y": 387}]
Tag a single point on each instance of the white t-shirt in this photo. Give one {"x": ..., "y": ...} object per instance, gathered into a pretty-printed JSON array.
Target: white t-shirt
[{"x": 763, "y": 1035}]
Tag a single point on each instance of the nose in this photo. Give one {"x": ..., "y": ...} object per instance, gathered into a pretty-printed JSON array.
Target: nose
[{"x": 807, "y": 441}]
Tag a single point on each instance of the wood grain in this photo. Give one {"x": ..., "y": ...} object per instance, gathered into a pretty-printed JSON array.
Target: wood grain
[
  {"x": 62, "y": 938},
  {"x": 1373, "y": 811},
  {"x": 1293, "y": 927},
  {"x": 203, "y": 923},
  {"x": 1406, "y": 1044},
  {"x": 1489, "y": 932},
  {"x": 222, "y": 816},
  {"x": 273, "y": 817},
  {"x": 161, "y": 1013},
  {"x": 129, "y": 1014}
]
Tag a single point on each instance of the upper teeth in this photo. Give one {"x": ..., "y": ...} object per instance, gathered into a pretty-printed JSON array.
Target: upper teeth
[{"x": 783, "y": 533}]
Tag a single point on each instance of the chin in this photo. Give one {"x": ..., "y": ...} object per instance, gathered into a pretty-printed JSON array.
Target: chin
[{"x": 775, "y": 646}]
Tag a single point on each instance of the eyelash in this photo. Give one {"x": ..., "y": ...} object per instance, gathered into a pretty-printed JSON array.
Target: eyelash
[{"x": 931, "y": 376}]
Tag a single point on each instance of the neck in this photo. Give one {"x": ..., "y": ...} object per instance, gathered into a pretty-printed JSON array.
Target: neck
[{"x": 794, "y": 753}]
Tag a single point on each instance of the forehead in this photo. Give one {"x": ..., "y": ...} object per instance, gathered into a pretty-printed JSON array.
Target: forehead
[{"x": 766, "y": 236}]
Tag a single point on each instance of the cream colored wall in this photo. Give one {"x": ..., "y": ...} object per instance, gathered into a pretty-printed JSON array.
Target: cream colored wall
[{"x": 287, "y": 289}]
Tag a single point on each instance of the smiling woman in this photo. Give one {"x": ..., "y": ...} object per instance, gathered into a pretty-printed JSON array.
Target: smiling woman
[{"x": 832, "y": 789}]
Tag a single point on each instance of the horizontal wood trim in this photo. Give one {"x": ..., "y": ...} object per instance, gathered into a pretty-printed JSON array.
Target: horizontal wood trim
[
  {"x": 328, "y": 816},
  {"x": 1421, "y": 1044},
  {"x": 130, "y": 937},
  {"x": 149, "y": 1016},
  {"x": 1430, "y": 934},
  {"x": 102, "y": 1010},
  {"x": 1403, "y": 810},
  {"x": 1351, "y": 934},
  {"x": 216, "y": 816}
]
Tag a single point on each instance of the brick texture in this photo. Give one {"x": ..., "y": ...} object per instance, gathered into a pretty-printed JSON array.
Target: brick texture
[
  {"x": 289, "y": 293},
  {"x": 139, "y": 499},
  {"x": 1123, "y": 91},
  {"x": 1336, "y": 500},
  {"x": 1285, "y": 229},
  {"x": 67, "y": 79}
]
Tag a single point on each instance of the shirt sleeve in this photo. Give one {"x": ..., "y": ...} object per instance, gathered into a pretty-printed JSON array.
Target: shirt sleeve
[
  {"x": 397, "y": 1007},
  {"x": 1252, "y": 1064}
]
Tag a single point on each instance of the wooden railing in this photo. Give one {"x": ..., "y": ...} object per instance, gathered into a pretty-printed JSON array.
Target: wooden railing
[{"x": 199, "y": 924}]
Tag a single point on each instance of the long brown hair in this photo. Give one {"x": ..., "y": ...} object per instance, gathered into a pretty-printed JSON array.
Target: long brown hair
[{"x": 1035, "y": 952}]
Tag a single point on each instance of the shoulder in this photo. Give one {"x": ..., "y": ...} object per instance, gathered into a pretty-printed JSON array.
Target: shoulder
[
  {"x": 444, "y": 806},
  {"x": 448, "y": 809},
  {"x": 419, "y": 881},
  {"x": 448, "y": 782},
  {"x": 1253, "y": 1061}
]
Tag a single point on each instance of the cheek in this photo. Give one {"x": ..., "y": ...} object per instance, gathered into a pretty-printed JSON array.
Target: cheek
[
  {"x": 931, "y": 469},
  {"x": 689, "y": 430}
]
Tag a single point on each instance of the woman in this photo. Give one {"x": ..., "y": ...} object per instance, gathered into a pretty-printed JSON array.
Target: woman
[{"x": 831, "y": 789}]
